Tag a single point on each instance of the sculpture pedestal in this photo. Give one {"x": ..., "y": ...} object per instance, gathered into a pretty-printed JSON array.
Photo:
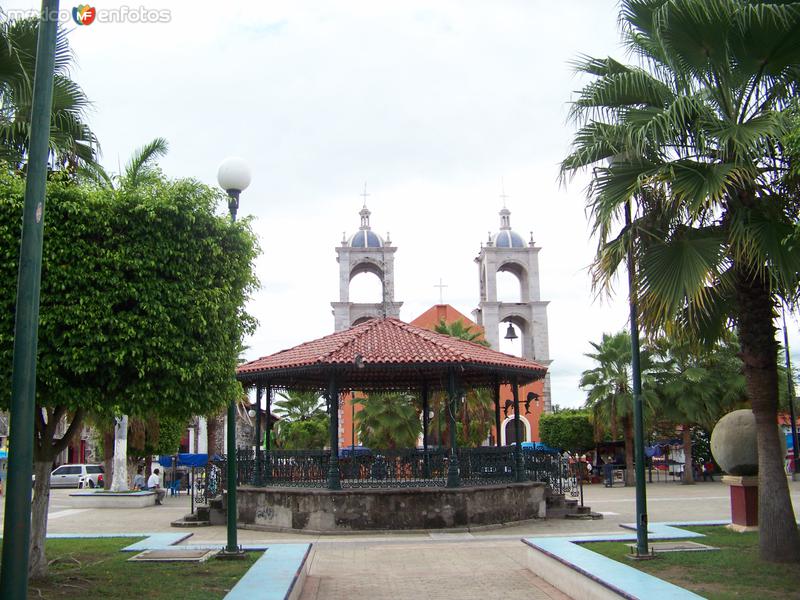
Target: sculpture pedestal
[{"x": 744, "y": 502}]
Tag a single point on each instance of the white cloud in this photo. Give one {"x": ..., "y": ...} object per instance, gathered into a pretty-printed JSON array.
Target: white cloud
[{"x": 430, "y": 103}]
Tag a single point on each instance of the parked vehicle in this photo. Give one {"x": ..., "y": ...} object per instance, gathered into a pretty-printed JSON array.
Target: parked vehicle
[{"x": 79, "y": 476}]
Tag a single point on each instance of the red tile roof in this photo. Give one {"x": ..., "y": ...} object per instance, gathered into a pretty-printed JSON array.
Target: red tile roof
[{"x": 394, "y": 355}]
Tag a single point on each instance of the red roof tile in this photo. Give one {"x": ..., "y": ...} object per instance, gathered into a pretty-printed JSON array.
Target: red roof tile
[{"x": 394, "y": 355}]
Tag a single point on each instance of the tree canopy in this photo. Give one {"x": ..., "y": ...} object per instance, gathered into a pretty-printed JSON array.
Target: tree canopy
[{"x": 142, "y": 308}]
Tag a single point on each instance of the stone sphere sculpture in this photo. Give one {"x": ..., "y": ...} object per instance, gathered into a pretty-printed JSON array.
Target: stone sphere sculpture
[{"x": 734, "y": 445}]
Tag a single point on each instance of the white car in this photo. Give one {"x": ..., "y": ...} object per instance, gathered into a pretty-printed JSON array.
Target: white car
[{"x": 79, "y": 476}]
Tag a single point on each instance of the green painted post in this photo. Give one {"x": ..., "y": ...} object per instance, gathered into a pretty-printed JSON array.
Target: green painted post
[
  {"x": 17, "y": 525},
  {"x": 257, "y": 475},
  {"x": 268, "y": 441},
  {"x": 498, "y": 441},
  {"x": 518, "y": 465},
  {"x": 334, "y": 480},
  {"x": 638, "y": 417},
  {"x": 425, "y": 426},
  {"x": 453, "y": 471}
]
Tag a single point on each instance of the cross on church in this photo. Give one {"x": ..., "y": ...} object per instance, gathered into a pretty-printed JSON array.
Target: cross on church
[
  {"x": 503, "y": 195},
  {"x": 441, "y": 287},
  {"x": 364, "y": 194}
]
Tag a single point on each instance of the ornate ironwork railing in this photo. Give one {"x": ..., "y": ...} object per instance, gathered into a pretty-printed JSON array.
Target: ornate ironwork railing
[{"x": 364, "y": 468}]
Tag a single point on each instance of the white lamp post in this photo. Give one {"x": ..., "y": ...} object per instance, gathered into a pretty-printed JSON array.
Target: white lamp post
[{"x": 233, "y": 177}]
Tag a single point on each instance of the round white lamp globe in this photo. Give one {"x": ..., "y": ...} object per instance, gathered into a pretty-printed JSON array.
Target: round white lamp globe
[
  {"x": 234, "y": 174},
  {"x": 251, "y": 413}
]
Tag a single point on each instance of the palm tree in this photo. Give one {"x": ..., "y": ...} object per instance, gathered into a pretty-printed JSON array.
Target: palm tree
[
  {"x": 299, "y": 406},
  {"x": 458, "y": 329},
  {"x": 609, "y": 390},
  {"x": 477, "y": 411},
  {"x": 697, "y": 387},
  {"x": 696, "y": 130},
  {"x": 140, "y": 170},
  {"x": 72, "y": 142},
  {"x": 388, "y": 420}
]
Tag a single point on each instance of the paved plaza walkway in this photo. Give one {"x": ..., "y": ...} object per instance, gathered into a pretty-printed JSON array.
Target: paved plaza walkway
[{"x": 480, "y": 564}]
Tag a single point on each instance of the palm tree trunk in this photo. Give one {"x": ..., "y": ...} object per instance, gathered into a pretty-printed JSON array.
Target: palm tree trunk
[
  {"x": 778, "y": 535},
  {"x": 627, "y": 431},
  {"x": 688, "y": 470}
]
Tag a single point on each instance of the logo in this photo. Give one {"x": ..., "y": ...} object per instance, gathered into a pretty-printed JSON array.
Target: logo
[{"x": 84, "y": 14}]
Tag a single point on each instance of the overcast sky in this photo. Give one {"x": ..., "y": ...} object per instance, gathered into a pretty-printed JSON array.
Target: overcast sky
[{"x": 431, "y": 103}]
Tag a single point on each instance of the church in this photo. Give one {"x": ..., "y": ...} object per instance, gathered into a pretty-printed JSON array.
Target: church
[{"x": 506, "y": 251}]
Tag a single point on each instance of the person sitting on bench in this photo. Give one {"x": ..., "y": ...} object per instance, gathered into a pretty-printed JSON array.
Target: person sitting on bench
[{"x": 154, "y": 483}]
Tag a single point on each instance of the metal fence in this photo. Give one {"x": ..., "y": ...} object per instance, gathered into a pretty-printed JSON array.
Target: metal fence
[{"x": 361, "y": 468}]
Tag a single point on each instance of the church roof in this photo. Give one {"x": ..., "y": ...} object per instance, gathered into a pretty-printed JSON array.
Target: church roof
[
  {"x": 444, "y": 312},
  {"x": 385, "y": 354}
]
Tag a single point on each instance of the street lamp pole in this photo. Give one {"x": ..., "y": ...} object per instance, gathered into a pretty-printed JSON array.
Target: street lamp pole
[
  {"x": 638, "y": 418},
  {"x": 17, "y": 525},
  {"x": 233, "y": 177}
]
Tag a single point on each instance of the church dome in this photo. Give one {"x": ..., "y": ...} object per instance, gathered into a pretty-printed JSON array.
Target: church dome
[
  {"x": 506, "y": 237},
  {"x": 365, "y": 237}
]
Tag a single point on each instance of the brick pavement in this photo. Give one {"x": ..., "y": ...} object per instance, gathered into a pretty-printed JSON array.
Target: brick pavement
[{"x": 432, "y": 570}]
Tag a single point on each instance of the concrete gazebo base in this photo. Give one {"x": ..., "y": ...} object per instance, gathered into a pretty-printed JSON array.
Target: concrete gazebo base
[{"x": 311, "y": 510}]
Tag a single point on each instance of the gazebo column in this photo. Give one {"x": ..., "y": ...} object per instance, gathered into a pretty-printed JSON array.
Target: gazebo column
[
  {"x": 334, "y": 482},
  {"x": 268, "y": 448},
  {"x": 518, "y": 464},
  {"x": 257, "y": 474},
  {"x": 453, "y": 472},
  {"x": 496, "y": 390},
  {"x": 425, "y": 424}
]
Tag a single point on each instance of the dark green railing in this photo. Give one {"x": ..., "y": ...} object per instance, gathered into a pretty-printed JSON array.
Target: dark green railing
[{"x": 363, "y": 468}]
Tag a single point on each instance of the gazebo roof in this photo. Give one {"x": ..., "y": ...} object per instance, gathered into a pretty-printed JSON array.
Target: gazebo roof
[{"x": 386, "y": 354}]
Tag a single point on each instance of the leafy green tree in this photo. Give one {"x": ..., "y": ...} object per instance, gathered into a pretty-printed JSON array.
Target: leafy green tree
[
  {"x": 609, "y": 390},
  {"x": 142, "y": 309},
  {"x": 72, "y": 142},
  {"x": 696, "y": 130},
  {"x": 569, "y": 430},
  {"x": 304, "y": 422},
  {"x": 388, "y": 420},
  {"x": 310, "y": 434}
]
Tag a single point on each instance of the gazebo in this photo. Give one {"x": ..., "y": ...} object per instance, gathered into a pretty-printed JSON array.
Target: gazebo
[{"x": 388, "y": 355}]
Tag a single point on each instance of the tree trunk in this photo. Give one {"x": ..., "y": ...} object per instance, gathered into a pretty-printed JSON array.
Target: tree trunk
[
  {"x": 627, "y": 427},
  {"x": 45, "y": 447},
  {"x": 119, "y": 481},
  {"x": 778, "y": 535},
  {"x": 41, "y": 500},
  {"x": 688, "y": 467}
]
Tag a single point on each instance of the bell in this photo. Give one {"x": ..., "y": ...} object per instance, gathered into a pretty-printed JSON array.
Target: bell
[{"x": 511, "y": 334}]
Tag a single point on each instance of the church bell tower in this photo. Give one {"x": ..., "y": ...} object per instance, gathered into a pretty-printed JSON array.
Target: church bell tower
[
  {"x": 507, "y": 251},
  {"x": 365, "y": 252}
]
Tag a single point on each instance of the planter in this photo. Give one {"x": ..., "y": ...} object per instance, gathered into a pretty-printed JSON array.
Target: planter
[{"x": 101, "y": 499}]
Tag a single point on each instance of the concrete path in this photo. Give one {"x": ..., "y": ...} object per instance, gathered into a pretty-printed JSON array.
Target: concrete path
[
  {"x": 412, "y": 571},
  {"x": 480, "y": 564}
]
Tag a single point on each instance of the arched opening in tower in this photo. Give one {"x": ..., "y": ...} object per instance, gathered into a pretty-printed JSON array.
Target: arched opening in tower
[{"x": 366, "y": 287}]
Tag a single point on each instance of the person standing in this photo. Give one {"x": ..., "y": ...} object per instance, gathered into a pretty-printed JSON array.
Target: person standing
[{"x": 154, "y": 483}]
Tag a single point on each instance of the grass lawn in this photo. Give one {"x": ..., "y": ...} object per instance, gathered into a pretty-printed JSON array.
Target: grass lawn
[
  {"x": 95, "y": 568},
  {"x": 734, "y": 571}
]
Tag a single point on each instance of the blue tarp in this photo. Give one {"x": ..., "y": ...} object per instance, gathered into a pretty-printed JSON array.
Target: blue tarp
[
  {"x": 184, "y": 460},
  {"x": 538, "y": 446}
]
